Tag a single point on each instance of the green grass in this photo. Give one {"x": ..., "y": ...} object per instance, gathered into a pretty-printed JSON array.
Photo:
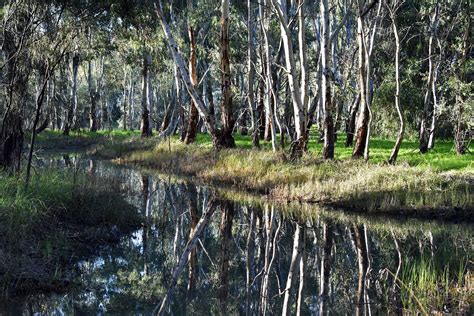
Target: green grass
[
  {"x": 55, "y": 140},
  {"x": 442, "y": 157}
]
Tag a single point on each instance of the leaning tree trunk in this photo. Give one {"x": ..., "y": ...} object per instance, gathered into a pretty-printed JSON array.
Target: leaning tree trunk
[
  {"x": 398, "y": 143},
  {"x": 193, "y": 112},
  {"x": 299, "y": 110},
  {"x": 145, "y": 121},
  {"x": 208, "y": 119},
  {"x": 227, "y": 115}
]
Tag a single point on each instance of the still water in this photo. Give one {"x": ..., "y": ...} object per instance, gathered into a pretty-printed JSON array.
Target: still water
[{"x": 199, "y": 254}]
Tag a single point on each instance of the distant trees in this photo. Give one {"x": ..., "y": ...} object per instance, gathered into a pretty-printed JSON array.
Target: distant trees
[{"x": 300, "y": 75}]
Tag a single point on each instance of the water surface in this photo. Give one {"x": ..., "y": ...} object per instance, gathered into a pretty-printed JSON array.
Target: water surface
[{"x": 197, "y": 253}]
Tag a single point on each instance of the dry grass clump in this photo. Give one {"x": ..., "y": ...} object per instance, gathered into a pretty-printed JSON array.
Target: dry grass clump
[{"x": 347, "y": 183}]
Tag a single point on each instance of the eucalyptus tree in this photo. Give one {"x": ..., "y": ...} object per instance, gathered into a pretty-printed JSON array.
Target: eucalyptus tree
[
  {"x": 430, "y": 95},
  {"x": 297, "y": 85},
  {"x": 393, "y": 8},
  {"x": 221, "y": 136},
  {"x": 365, "y": 41},
  {"x": 19, "y": 23}
]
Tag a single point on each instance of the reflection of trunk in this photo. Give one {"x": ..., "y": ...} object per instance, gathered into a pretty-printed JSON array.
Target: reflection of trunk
[
  {"x": 295, "y": 261},
  {"x": 325, "y": 271},
  {"x": 249, "y": 263},
  {"x": 146, "y": 205},
  {"x": 226, "y": 237},
  {"x": 192, "y": 261},
  {"x": 161, "y": 309},
  {"x": 269, "y": 245},
  {"x": 193, "y": 112},
  {"x": 362, "y": 263},
  {"x": 299, "y": 302}
]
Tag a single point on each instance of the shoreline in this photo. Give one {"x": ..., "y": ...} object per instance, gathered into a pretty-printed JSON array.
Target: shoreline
[{"x": 351, "y": 185}]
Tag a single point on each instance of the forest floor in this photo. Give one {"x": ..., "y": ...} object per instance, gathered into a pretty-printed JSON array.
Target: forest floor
[
  {"x": 58, "y": 219},
  {"x": 437, "y": 184}
]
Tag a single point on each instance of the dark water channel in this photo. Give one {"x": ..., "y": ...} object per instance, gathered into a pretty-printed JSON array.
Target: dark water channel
[{"x": 197, "y": 253}]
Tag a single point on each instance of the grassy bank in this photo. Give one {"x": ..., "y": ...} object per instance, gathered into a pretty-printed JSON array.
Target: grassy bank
[
  {"x": 55, "y": 140},
  {"x": 439, "y": 183},
  {"x": 46, "y": 228}
]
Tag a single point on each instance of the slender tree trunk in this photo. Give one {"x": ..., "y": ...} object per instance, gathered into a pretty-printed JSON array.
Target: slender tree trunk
[
  {"x": 193, "y": 112},
  {"x": 124, "y": 100},
  {"x": 398, "y": 143},
  {"x": 251, "y": 73},
  {"x": 350, "y": 128},
  {"x": 299, "y": 111},
  {"x": 428, "y": 107},
  {"x": 227, "y": 115},
  {"x": 93, "y": 98},
  {"x": 72, "y": 117},
  {"x": 462, "y": 132},
  {"x": 39, "y": 104},
  {"x": 328, "y": 148},
  {"x": 270, "y": 95},
  {"x": 363, "y": 117},
  {"x": 145, "y": 121}
]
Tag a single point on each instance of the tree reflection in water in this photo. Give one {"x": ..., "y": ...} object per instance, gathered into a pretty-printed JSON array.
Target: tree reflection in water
[{"x": 197, "y": 253}]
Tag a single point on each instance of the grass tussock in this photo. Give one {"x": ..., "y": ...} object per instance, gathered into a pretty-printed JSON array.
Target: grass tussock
[
  {"x": 58, "y": 218},
  {"x": 345, "y": 183}
]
